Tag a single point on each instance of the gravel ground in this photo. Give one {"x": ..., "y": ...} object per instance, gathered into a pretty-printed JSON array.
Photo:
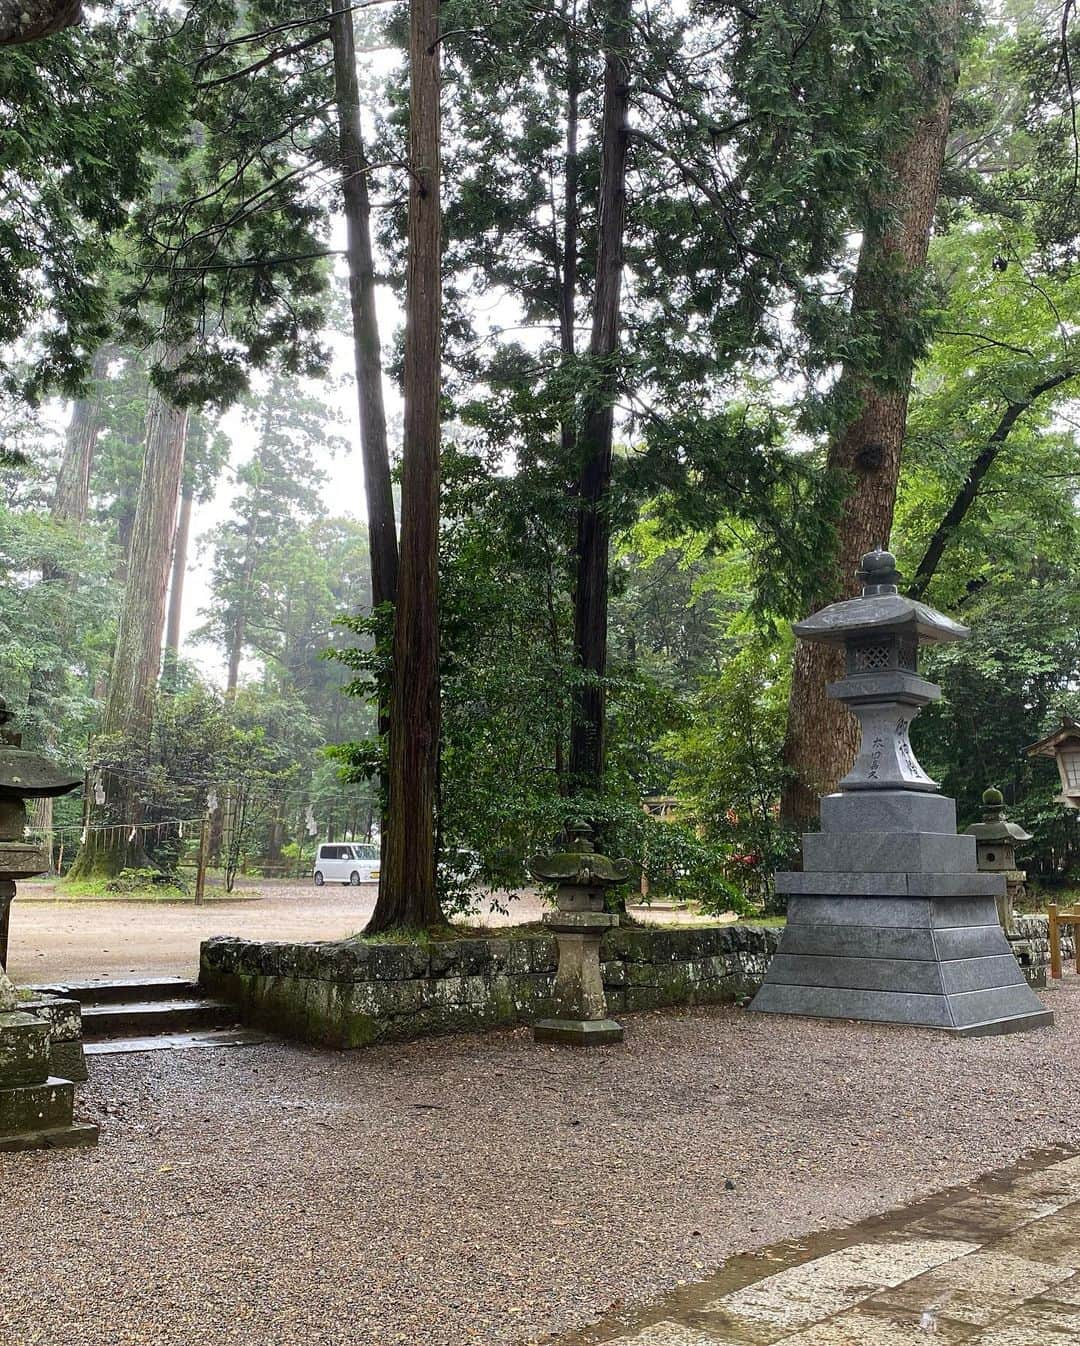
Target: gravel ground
[
  {"x": 56, "y": 938},
  {"x": 484, "y": 1190}
]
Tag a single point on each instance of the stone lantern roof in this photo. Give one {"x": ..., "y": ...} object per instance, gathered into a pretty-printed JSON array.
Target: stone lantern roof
[
  {"x": 25, "y": 774},
  {"x": 995, "y": 826},
  {"x": 880, "y": 610}
]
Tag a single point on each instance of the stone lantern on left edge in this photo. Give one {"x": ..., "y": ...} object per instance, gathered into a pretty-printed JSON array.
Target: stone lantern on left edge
[{"x": 35, "y": 1106}]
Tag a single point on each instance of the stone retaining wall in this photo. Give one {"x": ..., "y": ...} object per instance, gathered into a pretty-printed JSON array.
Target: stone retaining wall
[
  {"x": 352, "y": 993},
  {"x": 1032, "y": 950}
]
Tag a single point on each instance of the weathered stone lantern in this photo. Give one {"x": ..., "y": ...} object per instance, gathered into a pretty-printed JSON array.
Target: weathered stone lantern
[
  {"x": 996, "y": 840},
  {"x": 23, "y": 775},
  {"x": 1063, "y": 745},
  {"x": 35, "y": 1107},
  {"x": 889, "y": 919},
  {"x": 584, "y": 877}
]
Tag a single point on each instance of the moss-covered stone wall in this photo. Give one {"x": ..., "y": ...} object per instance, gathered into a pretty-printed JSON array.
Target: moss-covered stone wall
[{"x": 352, "y": 993}]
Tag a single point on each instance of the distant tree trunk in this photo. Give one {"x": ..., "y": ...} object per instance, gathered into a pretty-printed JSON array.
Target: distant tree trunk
[
  {"x": 179, "y": 573},
  {"x": 73, "y": 480},
  {"x": 69, "y": 505},
  {"x": 594, "y": 444},
  {"x": 136, "y": 660},
  {"x": 29, "y": 20},
  {"x": 820, "y": 742},
  {"x": 367, "y": 348},
  {"x": 407, "y": 891}
]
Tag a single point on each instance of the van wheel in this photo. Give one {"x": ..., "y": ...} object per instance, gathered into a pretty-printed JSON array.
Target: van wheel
[
  {"x": 318, "y": 879},
  {"x": 354, "y": 879}
]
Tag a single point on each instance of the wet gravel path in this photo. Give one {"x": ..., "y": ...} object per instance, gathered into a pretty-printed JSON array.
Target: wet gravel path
[{"x": 483, "y": 1190}]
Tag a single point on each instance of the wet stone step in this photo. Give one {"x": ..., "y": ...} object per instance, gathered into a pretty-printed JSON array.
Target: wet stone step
[
  {"x": 135, "y": 989},
  {"x": 148, "y": 1017},
  {"x": 164, "y": 1042}
]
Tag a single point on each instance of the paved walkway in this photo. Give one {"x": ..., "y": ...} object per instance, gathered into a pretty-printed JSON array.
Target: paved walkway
[{"x": 993, "y": 1264}]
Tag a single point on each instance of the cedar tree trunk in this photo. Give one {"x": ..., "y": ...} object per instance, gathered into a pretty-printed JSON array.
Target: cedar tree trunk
[
  {"x": 821, "y": 738},
  {"x": 179, "y": 574},
  {"x": 407, "y": 891},
  {"x": 594, "y": 444},
  {"x": 136, "y": 660},
  {"x": 367, "y": 348}
]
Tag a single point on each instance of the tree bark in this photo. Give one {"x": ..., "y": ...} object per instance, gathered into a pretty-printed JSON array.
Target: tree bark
[
  {"x": 136, "y": 661},
  {"x": 594, "y": 444},
  {"x": 820, "y": 741},
  {"x": 73, "y": 480},
  {"x": 367, "y": 348},
  {"x": 69, "y": 505},
  {"x": 965, "y": 497},
  {"x": 29, "y": 20},
  {"x": 407, "y": 891},
  {"x": 179, "y": 573}
]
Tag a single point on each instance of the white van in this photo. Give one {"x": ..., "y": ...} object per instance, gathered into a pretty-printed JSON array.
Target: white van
[{"x": 346, "y": 862}]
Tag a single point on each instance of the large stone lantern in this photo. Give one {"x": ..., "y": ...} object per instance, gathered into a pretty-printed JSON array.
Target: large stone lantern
[
  {"x": 889, "y": 919},
  {"x": 583, "y": 878},
  {"x": 35, "y": 1106}
]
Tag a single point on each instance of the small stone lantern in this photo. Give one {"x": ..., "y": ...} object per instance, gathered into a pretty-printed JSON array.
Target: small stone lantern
[
  {"x": 579, "y": 924},
  {"x": 35, "y": 1106},
  {"x": 995, "y": 849}
]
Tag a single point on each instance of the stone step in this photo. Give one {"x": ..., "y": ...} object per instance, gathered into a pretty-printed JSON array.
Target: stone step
[
  {"x": 149, "y": 1017},
  {"x": 165, "y": 1042},
  {"x": 140, "y": 989}
]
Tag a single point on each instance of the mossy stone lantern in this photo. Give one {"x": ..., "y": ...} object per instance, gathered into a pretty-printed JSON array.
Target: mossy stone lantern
[
  {"x": 36, "y": 1107},
  {"x": 996, "y": 840},
  {"x": 583, "y": 877},
  {"x": 23, "y": 775}
]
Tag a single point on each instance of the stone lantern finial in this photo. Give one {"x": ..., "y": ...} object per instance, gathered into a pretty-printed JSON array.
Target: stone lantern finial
[{"x": 878, "y": 572}]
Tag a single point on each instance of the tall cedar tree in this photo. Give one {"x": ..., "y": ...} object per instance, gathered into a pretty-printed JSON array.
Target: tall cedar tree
[
  {"x": 367, "y": 348},
  {"x": 113, "y": 842},
  {"x": 820, "y": 741},
  {"x": 594, "y": 484},
  {"x": 407, "y": 887}
]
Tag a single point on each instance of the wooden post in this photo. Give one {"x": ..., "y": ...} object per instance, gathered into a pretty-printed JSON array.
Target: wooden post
[
  {"x": 1055, "y": 943},
  {"x": 204, "y": 852}
]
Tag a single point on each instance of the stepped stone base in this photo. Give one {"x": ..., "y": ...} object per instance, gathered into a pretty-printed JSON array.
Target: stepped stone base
[
  {"x": 577, "y": 1032},
  {"x": 56, "y": 1138},
  {"x": 896, "y": 926}
]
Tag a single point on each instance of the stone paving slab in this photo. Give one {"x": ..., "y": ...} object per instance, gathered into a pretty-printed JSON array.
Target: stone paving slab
[{"x": 994, "y": 1264}]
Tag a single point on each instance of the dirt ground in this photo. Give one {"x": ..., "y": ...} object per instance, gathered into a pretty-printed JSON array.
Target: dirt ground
[
  {"x": 483, "y": 1191},
  {"x": 56, "y": 939}
]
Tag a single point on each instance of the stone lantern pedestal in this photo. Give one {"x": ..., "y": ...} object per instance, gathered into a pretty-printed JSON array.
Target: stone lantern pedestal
[
  {"x": 890, "y": 919},
  {"x": 580, "y": 1003},
  {"x": 579, "y": 924}
]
